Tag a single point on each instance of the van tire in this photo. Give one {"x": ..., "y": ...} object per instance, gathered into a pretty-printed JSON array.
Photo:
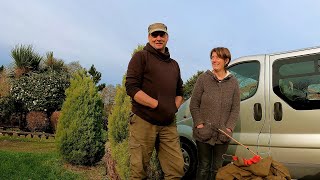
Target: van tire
[{"x": 189, "y": 153}]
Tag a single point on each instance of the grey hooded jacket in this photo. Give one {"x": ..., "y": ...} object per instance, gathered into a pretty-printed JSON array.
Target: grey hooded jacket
[{"x": 216, "y": 104}]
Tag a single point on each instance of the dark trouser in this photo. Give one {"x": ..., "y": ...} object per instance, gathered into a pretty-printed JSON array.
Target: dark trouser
[
  {"x": 143, "y": 136},
  {"x": 209, "y": 160}
]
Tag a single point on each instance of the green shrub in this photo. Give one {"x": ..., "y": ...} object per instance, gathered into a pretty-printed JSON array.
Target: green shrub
[
  {"x": 80, "y": 137},
  {"x": 41, "y": 92},
  {"x": 154, "y": 170},
  {"x": 6, "y": 109},
  {"x": 6, "y": 101}
]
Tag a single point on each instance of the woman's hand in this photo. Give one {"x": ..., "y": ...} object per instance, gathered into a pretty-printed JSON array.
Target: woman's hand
[{"x": 200, "y": 126}]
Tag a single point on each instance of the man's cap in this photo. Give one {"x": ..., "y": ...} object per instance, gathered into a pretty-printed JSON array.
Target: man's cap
[{"x": 157, "y": 27}]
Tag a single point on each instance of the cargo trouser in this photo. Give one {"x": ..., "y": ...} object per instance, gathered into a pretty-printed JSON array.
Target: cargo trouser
[{"x": 142, "y": 141}]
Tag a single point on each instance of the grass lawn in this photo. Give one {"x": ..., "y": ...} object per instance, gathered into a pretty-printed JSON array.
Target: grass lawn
[{"x": 34, "y": 158}]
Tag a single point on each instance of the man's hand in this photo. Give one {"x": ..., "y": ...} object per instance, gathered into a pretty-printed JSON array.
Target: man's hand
[
  {"x": 178, "y": 101},
  {"x": 144, "y": 99}
]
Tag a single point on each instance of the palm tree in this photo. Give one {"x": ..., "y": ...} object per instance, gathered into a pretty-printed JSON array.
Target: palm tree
[
  {"x": 25, "y": 59},
  {"x": 51, "y": 63}
]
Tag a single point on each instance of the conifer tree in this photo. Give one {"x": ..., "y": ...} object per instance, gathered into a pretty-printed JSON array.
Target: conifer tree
[
  {"x": 80, "y": 138},
  {"x": 96, "y": 76},
  {"x": 118, "y": 130},
  {"x": 188, "y": 86}
]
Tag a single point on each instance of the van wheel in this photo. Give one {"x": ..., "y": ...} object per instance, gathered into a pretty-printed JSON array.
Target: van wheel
[{"x": 189, "y": 153}]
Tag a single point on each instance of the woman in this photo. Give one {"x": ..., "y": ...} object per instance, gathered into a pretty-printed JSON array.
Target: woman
[{"x": 215, "y": 104}]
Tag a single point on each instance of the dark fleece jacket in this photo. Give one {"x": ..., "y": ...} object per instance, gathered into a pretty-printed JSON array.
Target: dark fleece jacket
[
  {"x": 216, "y": 105},
  {"x": 157, "y": 75}
]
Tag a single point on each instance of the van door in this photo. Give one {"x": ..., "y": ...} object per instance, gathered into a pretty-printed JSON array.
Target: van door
[
  {"x": 250, "y": 74},
  {"x": 294, "y": 110}
]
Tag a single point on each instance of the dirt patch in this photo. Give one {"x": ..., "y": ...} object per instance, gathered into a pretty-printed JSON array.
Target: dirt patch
[
  {"x": 96, "y": 172},
  {"x": 110, "y": 165}
]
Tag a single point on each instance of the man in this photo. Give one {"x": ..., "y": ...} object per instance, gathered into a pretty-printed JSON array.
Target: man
[{"x": 154, "y": 83}]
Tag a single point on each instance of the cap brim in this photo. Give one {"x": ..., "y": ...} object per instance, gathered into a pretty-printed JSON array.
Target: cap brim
[{"x": 154, "y": 30}]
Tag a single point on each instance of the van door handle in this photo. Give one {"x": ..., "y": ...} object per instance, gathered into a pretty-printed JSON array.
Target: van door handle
[
  {"x": 257, "y": 111},
  {"x": 277, "y": 111}
]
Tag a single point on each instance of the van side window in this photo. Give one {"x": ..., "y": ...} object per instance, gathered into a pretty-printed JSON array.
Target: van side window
[
  {"x": 296, "y": 80},
  {"x": 248, "y": 77}
]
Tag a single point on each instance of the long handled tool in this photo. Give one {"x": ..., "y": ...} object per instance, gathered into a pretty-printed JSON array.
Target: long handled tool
[{"x": 238, "y": 142}]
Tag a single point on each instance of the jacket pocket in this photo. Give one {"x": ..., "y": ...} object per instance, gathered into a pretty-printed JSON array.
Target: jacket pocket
[
  {"x": 166, "y": 109},
  {"x": 223, "y": 138},
  {"x": 135, "y": 155},
  {"x": 204, "y": 133}
]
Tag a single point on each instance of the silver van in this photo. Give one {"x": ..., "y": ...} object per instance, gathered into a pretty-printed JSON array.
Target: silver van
[{"x": 279, "y": 112}]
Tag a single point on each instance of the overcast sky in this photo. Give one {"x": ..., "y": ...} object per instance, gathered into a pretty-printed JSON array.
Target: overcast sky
[{"x": 105, "y": 33}]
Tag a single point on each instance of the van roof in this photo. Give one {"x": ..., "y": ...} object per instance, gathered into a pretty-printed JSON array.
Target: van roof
[
  {"x": 290, "y": 51},
  {"x": 315, "y": 48}
]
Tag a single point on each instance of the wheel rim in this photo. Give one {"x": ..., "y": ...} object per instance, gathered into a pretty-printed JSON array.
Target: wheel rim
[{"x": 186, "y": 158}]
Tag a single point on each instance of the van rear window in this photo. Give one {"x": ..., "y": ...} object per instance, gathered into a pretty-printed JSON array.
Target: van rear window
[{"x": 297, "y": 81}]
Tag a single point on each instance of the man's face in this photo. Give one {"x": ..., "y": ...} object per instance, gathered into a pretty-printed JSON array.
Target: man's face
[{"x": 158, "y": 40}]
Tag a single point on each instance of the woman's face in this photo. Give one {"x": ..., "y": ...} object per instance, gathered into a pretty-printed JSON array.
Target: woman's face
[{"x": 217, "y": 63}]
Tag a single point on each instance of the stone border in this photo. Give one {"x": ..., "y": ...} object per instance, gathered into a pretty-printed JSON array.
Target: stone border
[{"x": 25, "y": 134}]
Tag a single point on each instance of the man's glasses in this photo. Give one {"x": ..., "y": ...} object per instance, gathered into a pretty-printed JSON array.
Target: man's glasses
[{"x": 158, "y": 33}]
